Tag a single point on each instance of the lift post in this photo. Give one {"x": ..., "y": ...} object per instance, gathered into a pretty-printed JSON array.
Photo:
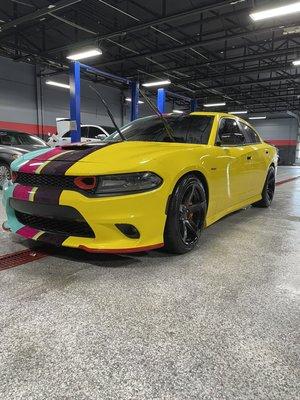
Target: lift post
[
  {"x": 75, "y": 102},
  {"x": 75, "y": 70},
  {"x": 161, "y": 99}
]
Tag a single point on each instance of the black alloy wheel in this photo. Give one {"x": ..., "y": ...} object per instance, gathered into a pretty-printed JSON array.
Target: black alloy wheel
[
  {"x": 268, "y": 190},
  {"x": 186, "y": 215}
]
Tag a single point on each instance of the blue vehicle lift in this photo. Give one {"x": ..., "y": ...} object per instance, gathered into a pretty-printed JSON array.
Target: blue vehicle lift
[
  {"x": 75, "y": 70},
  {"x": 162, "y": 93}
]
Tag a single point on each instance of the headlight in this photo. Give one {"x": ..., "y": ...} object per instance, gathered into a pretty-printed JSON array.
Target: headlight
[{"x": 127, "y": 183}]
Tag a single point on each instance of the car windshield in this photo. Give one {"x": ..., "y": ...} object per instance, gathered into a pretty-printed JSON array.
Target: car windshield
[
  {"x": 12, "y": 138},
  {"x": 185, "y": 129}
]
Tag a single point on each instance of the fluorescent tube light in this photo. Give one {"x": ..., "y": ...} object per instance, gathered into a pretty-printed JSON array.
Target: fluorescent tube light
[
  {"x": 296, "y": 62},
  {"x": 129, "y": 99},
  {"x": 178, "y": 112},
  {"x": 238, "y": 112},
  {"x": 157, "y": 83},
  {"x": 84, "y": 54},
  {"x": 58, "y": 84},
  {"x": 262, "y": 117},
  {"x": 276, "y": 12},
  {"x": 214, "y": 104}
]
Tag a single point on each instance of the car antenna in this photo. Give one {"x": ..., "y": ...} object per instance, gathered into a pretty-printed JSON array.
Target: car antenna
[
  {"x": 108, "y": 112},
  {"x": 153, "y": 108}
]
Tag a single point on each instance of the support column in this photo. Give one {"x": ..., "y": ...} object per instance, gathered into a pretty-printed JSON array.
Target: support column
[
  {"x": 161, "y": 100},
  {"x": 75, "y": 102},
  {"x": 193, "y": 105},
  {"x": 134, "y": 110}
]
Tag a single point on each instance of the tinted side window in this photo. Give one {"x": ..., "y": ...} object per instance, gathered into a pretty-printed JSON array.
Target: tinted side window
[
  {"x": 199, "y": 130},
  {"x": 230, "y": 133},
  {"x": 9, "y": 138},
  {"x": 93, "y": 132},
  {"x": 85, "y": 131},
  {"x": 5, "y": 139},
  {"x": 250, "y": 134}
]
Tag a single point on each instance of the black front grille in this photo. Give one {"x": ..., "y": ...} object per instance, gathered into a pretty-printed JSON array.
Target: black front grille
[
  {"x": 59, "y": 226},
  {"x": 37, "y": 180}
]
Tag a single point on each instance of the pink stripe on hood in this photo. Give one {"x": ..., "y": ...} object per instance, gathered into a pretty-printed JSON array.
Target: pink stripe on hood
[{"x": 32, "y": 165}]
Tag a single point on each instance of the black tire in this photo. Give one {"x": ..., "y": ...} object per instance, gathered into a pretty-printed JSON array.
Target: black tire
[
  {"x": 186, "y": 215},
  {"x": 4, "y": 173},
  {"x": 268, "y": 190}
]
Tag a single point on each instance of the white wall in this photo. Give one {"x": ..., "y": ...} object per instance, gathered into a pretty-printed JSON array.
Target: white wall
[
  {"x": 277, "y": 128},
  {"x": 21, "y": 96}
]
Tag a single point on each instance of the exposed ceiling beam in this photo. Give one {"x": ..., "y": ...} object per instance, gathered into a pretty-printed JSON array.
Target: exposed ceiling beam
[
  {"x": 202, "y": 43},
  {"x": 138, "y": 27},
  {"x": 38, "y": 14},
  {"x": 242, "y": 72},
  {"x": 232, "y": 60},
  {"x": 257, "y": 82}
]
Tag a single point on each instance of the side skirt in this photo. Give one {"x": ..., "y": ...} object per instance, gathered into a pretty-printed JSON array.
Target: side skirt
[{"x": 245, "y": 203}]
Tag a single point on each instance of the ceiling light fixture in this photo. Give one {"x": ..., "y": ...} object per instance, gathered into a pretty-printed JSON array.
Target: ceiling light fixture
[
  {"x": 58, "y": 84},
  {"x": 129, "y": 99},
  {"x": 84, "y": 54},
  {"x": 276, "y": 12},
  {"x": 261, "y": 117},
  {"x": 178, "y": 112},
  {"x": 157, "y": 83},
  {"x": 214, "y": 104},
  {"x": 296, "y": 62},
  {"x": 238, "y": 112}
]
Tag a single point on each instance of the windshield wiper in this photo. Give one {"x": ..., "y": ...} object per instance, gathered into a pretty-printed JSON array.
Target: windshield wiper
[
  {"x": 153, "y": 108},
  {"x": 108, "y": 112}
]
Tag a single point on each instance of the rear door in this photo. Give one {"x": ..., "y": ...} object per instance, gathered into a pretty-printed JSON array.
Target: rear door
[{"x": 259, "y": 154}]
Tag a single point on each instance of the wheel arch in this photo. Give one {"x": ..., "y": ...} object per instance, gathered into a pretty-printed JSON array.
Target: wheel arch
[{"x": 202, "y": 179}]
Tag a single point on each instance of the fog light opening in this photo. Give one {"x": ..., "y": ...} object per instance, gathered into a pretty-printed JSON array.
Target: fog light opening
[{"x": 129, "y": 230}]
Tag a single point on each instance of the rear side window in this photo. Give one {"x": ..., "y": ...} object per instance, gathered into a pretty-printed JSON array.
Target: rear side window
[{"x": 250, "y": 135}]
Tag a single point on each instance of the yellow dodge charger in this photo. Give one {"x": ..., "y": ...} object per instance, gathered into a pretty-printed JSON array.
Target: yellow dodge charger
[{"x": 158, "y": 184}]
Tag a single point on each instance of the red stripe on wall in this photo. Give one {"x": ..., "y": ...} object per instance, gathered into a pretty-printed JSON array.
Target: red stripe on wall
[
  {"x": 33, "y": 129},
  {"x": 282, "y": 142}
]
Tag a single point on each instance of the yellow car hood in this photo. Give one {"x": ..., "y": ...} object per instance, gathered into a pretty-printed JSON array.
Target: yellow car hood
[{"x": 125, "y": 157}]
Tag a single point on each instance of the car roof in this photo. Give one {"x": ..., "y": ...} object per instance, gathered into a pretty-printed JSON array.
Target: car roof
[{"x": 220, "y": 114}]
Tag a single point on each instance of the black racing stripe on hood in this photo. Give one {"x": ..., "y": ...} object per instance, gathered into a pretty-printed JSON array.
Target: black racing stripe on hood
[{"x": 62, "y": 163}]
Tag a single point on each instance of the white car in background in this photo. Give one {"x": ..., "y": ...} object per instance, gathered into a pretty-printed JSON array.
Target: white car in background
[{"x": 89, "y": 133}]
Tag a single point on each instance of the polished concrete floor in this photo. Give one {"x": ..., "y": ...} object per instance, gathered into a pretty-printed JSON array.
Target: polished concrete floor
[{"x": 221, "y": 322}]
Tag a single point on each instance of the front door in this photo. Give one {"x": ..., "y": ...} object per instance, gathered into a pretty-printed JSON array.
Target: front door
[{"x": 235, "y": 158}]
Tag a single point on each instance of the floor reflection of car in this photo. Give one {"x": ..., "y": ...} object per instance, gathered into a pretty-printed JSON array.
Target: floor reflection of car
[
  {"x": 13, "y": 145},
  {"x": 89, "y": 133}
]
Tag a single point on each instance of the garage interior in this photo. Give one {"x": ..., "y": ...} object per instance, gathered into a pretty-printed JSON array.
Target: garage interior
[{"x": 220, "y": 322}]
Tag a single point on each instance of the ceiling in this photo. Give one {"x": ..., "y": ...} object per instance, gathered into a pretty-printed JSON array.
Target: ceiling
[{"x": 210, "y": 50}]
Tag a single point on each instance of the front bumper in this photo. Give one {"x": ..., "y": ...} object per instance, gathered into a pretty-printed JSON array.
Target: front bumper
[{"x": 145, "y": 211}]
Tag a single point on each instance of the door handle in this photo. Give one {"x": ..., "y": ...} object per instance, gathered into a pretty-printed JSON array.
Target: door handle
[{"x": 249, "y": 158}]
